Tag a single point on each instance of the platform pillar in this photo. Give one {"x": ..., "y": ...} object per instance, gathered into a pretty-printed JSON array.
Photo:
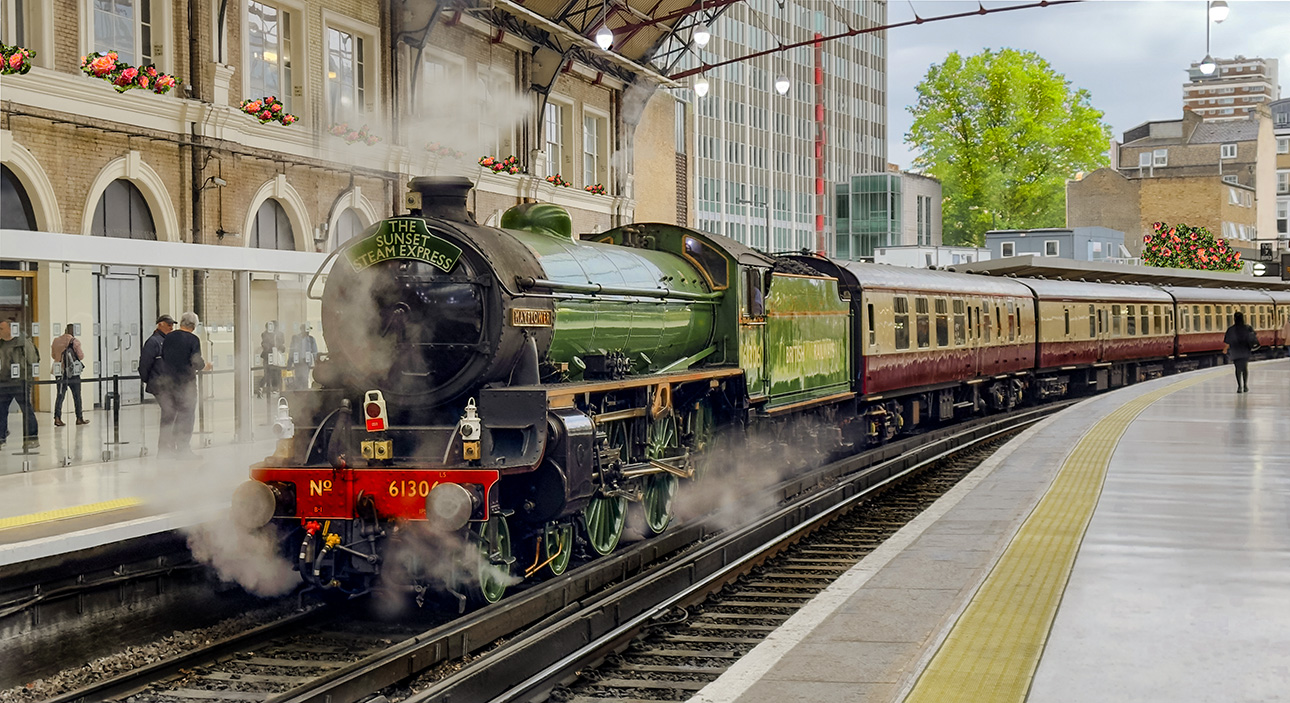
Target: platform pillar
[{"x": 242, "y": 331}]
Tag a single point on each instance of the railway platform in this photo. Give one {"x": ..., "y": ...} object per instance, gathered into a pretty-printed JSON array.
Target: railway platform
[
  {"x": 1135, "y": 547},
  {"x": 52, "y": 510}
]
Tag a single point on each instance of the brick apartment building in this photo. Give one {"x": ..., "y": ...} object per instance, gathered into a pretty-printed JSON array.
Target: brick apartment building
[{"x": 1217, "y": 174}]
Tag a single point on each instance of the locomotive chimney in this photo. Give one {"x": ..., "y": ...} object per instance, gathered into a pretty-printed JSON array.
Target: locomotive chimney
[{"x": 443, "y": 197}]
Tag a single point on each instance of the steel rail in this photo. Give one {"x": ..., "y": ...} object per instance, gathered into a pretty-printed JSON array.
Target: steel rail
[
  {"x": 526, "y": 667},
  {"x": 579, "y": 608},
  {"x": 131, "y": 681}
]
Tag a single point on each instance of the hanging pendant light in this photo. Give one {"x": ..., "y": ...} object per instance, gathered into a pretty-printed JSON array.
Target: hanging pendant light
[
  {"x": 701, "y": 86},
  {"x": 605, "y": 38},
  {"x": 1207, "y": 65},
  {"x": 782, "y": 84},
  {"x": 701, "y": 35}
]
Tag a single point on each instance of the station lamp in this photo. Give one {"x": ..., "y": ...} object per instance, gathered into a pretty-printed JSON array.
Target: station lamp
[
  {"x": 1218, "y": 11},
  {"x": 605, "y": 37},
  {"x": 701, "y": 35},
  {"x": 782, "y": 84},
  {"x": 701, "y": 86}
]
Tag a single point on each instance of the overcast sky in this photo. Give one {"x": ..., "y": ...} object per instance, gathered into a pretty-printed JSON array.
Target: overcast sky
[{"x": 1131, "y": 55}]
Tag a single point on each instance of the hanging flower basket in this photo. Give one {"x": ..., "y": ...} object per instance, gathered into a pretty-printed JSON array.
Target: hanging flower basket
[
  {"x": 509, "y": 164},
  {"x": 442, "y": 150},
  {"x": 596, "y": 189},
  {"x": 557, "y": 180},
  {"x": 267, "y": 110},
  {"x": 354, "y": 136},
  {"x": 1184, "y": 247},
  {"x": 17, "y": 60},
  {"x": 125, "y": 77}
]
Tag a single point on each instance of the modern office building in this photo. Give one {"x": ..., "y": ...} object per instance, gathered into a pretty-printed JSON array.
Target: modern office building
[
  {"x": 755, "y": 166},
  {"x": 1234, "y": 88},
  {"x": 891, "y": 209}
]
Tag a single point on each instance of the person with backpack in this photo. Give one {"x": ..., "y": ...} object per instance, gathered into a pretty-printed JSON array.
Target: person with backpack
[
  {"x": 66, "y": 350},
  {"x": 1238, "y": 343}
]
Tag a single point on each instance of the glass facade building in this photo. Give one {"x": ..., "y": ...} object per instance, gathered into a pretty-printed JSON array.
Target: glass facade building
[
  {"x": 868, "y": 211},
  {"x": 755, "y": 149}
]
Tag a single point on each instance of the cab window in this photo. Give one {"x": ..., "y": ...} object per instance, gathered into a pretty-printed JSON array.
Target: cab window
[
  {"x": 755, "y": 302},
  {"x": 710, "y": 262}
]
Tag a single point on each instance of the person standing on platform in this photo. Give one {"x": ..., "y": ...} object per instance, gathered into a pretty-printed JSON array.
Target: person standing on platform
[
  {"x": 17, "y": 356},
  {"x": 1238, "y": 343},
  {"x": 151, "y": 375},
  {"x": 304, "y": 349},
  {"x": 270, "y": 344},
  {"x": 66, "y": 350},
  {"x": 181, "y": 359}
]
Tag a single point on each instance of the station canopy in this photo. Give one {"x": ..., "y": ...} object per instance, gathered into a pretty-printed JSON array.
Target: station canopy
[
  {"x": 650, "y": 36},
  {"x": 1094, "y": 271}
]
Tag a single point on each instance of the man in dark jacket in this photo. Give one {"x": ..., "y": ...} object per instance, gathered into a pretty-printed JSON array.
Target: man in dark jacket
[
  {"x": 150, "y": 375},
  {"x": 181, "y": 359},
  {"x": 1239, "y": 342},
  {"x": 17, "y": 357}
]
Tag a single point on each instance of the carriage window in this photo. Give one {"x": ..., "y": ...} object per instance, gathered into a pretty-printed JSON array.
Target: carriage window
[
  {"x": 942, "y": 323},
  {"x": 1144, "y": 324},
  {"x": 1183, "y": 319},
  {"x": 1101, "y": 321},
  {"x": 1068, "y": 322},
  {"x": 1092, "y": 322},
  {"x": 1130, "y": 321},
  {"x": 873, "y": 337},
  {"x": 923, "y": 326},
  {"x": 901, "y": 307},
  {"x": 1229, "y": 317},
  {"x": 1012, "y": 321},
  {"x": 960, "y": 336},
  {"x": 1115, "y": 320},
  {"x": 1209, "y": 319},
  {"x": 983, "y": 327},
  {"x": 1160, "y": 320}
]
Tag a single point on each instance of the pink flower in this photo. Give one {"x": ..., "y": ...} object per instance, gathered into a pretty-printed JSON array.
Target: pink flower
[
  {"x": 252, "y": 107},
  {"x": 143, "y": 81},
  {"x": 102, "y": 65},
  {"x": 265, "y": 116},
  {"x": 164, "y": 83},
  {"x": 277, "y": 107}
]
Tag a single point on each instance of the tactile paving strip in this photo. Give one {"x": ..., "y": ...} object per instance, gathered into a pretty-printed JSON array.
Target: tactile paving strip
[
  {"x": 993, "y": 651},
  {"x": 65, "y": 513}
]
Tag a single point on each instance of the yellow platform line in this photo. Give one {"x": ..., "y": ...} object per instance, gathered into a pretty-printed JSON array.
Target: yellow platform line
[
  {"x": 65, "y": 513},
  {"x": 993, "y": 650}
]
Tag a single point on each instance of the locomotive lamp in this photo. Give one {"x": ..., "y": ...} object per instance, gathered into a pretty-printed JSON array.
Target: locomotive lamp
[
  {"x": 374, "y": 409},
  {"x": 470, "y": 432},
  {"x": 283, "y": 427}
]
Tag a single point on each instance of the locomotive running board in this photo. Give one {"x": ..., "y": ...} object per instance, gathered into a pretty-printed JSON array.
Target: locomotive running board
[
  {"x": 835, "y": 398},
  {"x": 564, "y": 394}
]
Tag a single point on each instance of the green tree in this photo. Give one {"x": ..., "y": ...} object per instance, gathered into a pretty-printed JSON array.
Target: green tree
[{"x": 1003, "y": 132}]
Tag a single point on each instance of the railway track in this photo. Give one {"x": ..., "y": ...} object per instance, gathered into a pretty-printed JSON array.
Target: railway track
[{"x": 534, "y": 640}]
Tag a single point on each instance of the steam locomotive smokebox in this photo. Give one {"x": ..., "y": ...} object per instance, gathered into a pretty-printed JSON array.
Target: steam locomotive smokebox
[{"x": 441, "y": 196}]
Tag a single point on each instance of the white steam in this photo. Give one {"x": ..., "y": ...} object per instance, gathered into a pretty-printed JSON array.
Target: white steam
[{"x": 252, "y": 560}]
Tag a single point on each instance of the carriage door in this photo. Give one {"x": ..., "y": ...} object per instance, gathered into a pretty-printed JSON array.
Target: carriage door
[{"x": 121, "y": 328}]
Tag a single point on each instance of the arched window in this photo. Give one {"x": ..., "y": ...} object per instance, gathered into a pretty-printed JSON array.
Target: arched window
[
  {"x": 15, "y": 206},
  {"x": 123, "y": 212},
  {"x": 272, "y": 229},
  {"x": 348, "y": 226}
]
